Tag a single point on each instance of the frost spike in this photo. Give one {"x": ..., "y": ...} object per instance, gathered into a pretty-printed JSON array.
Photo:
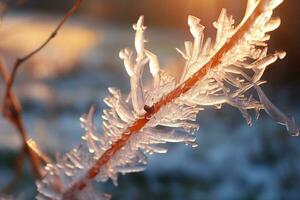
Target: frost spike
[
  {"x": 126, "y": 55},
  {"x": 276, "y": 114},
  {"x": 154, "y": 68},
  {"x": 260, "y": 65},
  {"x": 206, "y": 47},
  {"x": 139, "y": 38},
  {"x": 251, "y": 4},
  {"x": 197, "y": 31},
  {"x": 272, "y": 24},
  {"x": 153, "y": 63}
]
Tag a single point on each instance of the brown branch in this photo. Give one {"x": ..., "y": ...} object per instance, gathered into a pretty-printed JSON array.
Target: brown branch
[
  {"x": 21, "y": 60},
  {"x": 13, "y": 113},
  {"x": 70, "y": 192},
  {"x": 11, "y": 106}
]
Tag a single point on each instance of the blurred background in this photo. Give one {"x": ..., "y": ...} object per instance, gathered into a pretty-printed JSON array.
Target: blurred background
[{"x": 72, "y": 73}]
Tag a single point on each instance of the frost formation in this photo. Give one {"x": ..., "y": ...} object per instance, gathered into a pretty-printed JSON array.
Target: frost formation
[{"x": 236, "y": 80}]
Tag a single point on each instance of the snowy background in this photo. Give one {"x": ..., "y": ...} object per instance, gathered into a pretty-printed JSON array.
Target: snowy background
[{"x": 233, "y": 161}]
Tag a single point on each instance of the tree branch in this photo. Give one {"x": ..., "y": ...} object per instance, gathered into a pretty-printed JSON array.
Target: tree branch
[
  {"x": 13, "y": 113},
  {"x": 11, "y": 107},
  {"x": 23, "y": 59}
]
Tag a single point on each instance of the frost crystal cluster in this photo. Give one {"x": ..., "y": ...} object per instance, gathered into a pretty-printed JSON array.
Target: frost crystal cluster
[{"x": 227, "y": 70}]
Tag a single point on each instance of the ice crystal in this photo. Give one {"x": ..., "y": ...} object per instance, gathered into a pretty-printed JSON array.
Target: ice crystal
[{"x": 226, "y": 71}]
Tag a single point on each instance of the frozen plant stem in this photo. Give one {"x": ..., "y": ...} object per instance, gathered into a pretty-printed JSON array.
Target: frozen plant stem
[
  {"x": 213, "y": 75},
  {"x": 181, "y": 89}
]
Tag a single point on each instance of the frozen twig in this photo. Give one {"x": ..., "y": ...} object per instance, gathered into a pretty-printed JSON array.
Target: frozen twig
[
  {"x": 143, "y": 120},
  {"x": 215, "y": 73}
]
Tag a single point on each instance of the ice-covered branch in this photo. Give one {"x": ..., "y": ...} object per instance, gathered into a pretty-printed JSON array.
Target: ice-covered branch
[{"x": 227, "y": 70}]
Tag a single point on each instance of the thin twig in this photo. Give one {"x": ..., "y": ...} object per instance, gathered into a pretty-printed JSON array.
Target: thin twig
[
  {"x": 13, "y": 114},
  {"x": 21, "y": 60},
  {"x": 11, "y": 106}
]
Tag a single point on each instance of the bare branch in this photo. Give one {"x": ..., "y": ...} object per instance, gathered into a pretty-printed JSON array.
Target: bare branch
[
  {"x": 12, "y": 108},
  {"x": 21, "y": 60},
  {"x": 13, "y": 114}
]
